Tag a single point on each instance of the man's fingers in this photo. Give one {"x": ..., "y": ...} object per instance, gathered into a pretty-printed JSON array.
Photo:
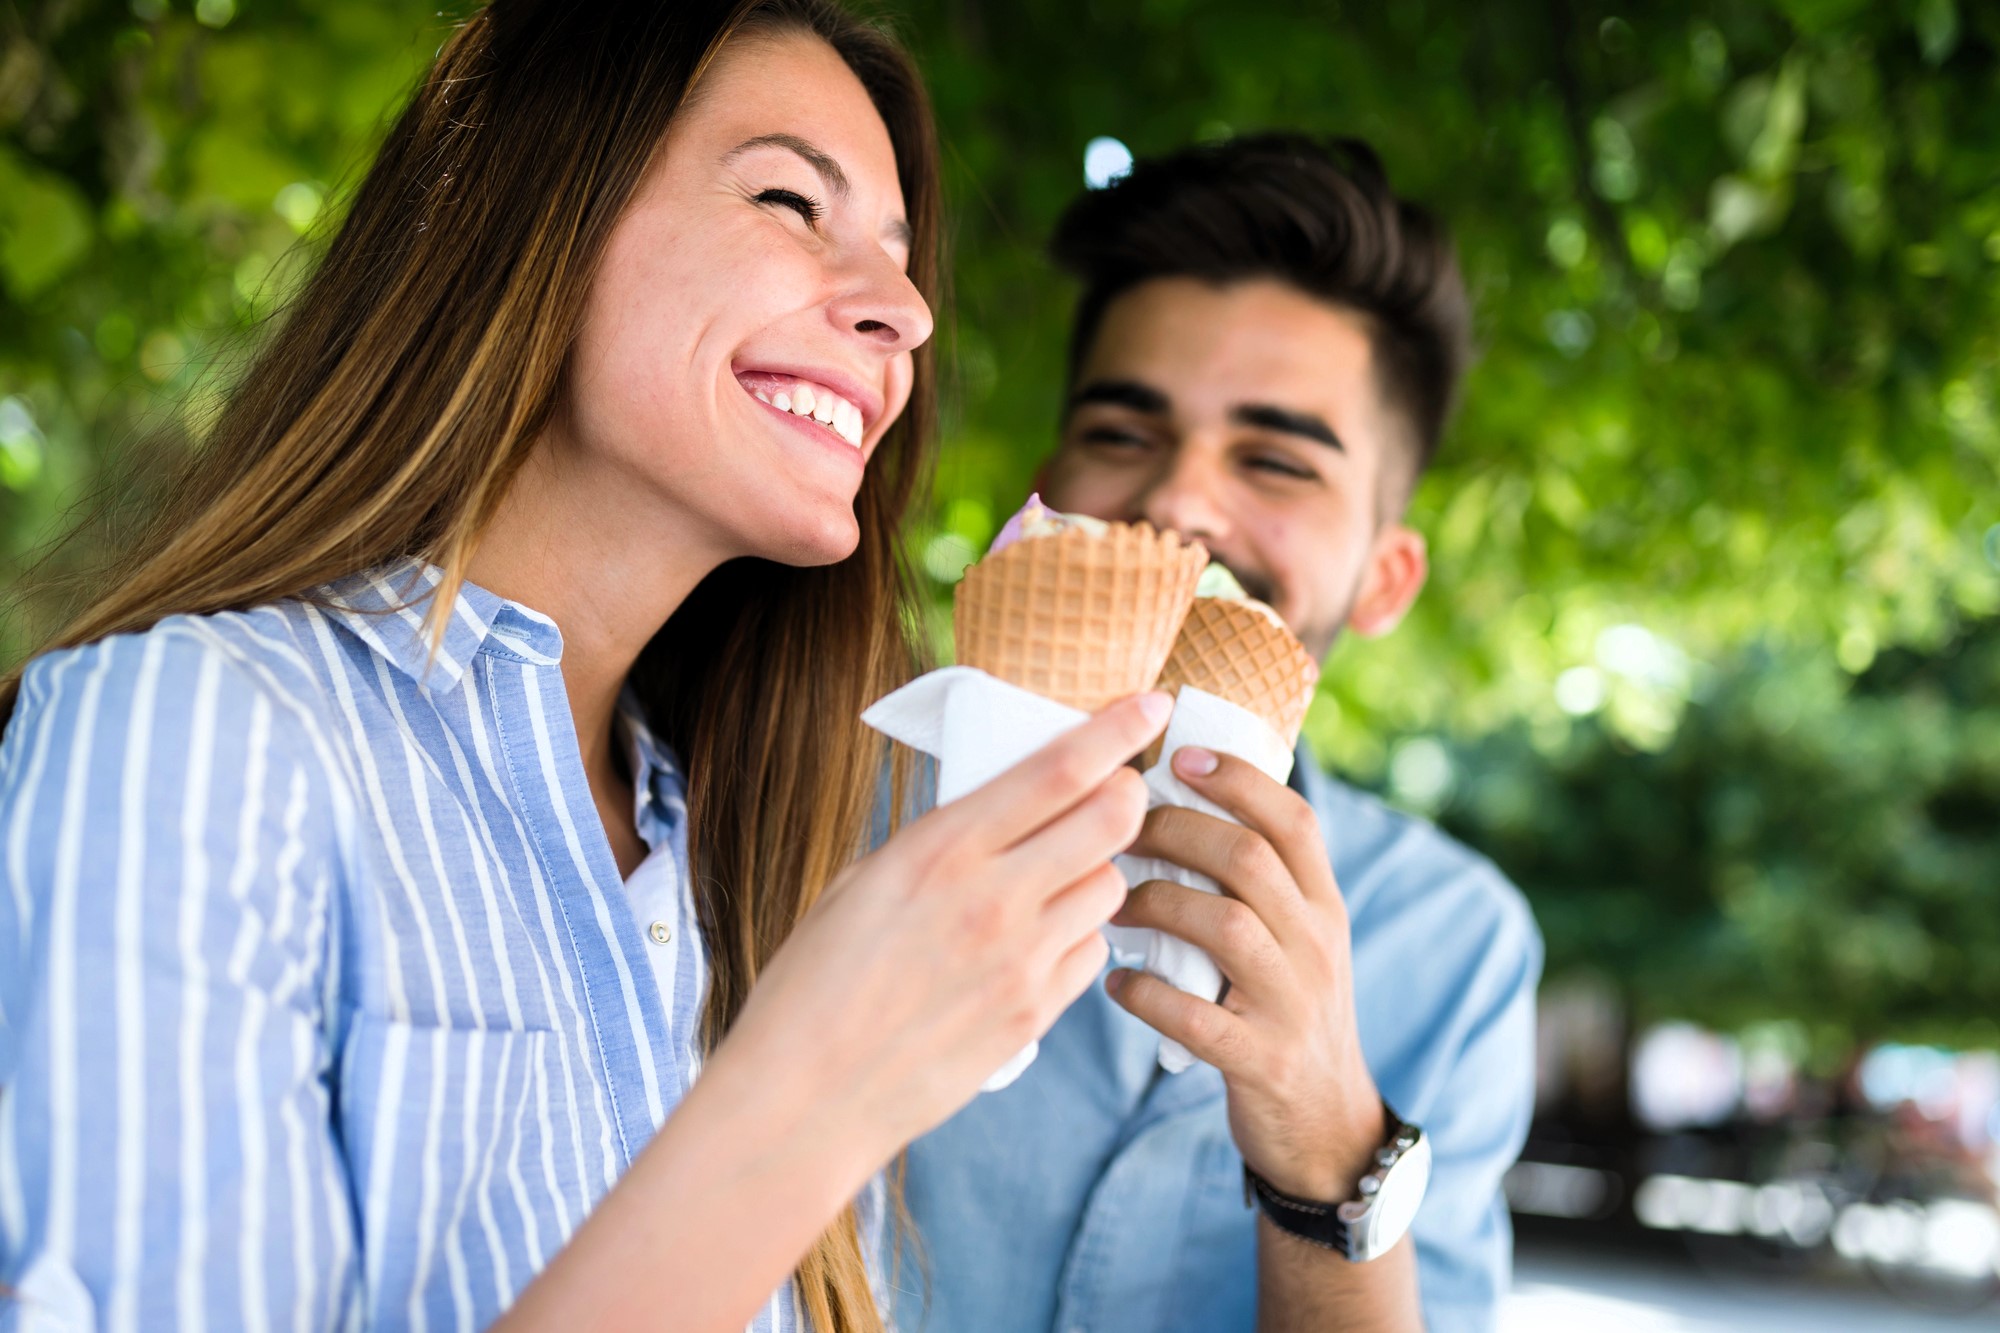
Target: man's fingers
[
  {"x": 1243, "y": 861},
  {"x": 1211, "y": 1032},
  {"x": 1229, "y": 931},
  {"x": 1061, "y": 773},
  {"x": 1267, "y": 807}
]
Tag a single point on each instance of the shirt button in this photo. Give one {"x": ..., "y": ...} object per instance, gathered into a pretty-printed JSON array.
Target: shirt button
[{"x": 662, "y": 933}]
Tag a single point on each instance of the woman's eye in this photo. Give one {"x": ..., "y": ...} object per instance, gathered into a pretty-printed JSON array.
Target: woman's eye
[
  {"x": 1111, "y": 435},
  {"x": 807, "y": 208}
]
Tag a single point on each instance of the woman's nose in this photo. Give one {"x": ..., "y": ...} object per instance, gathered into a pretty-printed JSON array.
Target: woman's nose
[{"x": 884, "y": 307}]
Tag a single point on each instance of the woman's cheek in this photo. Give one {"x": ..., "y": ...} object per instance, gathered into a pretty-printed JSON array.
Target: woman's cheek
[{"x": 896, "y": 391}]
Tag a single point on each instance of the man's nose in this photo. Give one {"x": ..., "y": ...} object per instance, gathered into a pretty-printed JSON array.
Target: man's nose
[{"x": 1186, "y": 498}]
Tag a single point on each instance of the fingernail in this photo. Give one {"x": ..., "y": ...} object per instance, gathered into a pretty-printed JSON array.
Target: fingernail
[
  {"x": 1157, "y": 705},
  {"x": 1114, "y": 980},
  {"x": 1194, "y": 761}
]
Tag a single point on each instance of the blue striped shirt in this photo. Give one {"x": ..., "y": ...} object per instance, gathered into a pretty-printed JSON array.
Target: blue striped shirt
[{"x": 323, "y": 1003}]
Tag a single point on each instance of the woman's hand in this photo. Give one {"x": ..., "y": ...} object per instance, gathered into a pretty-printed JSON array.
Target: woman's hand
[
  {"x": 919, "y": 972},
  {"x": 929, "y": 963}
]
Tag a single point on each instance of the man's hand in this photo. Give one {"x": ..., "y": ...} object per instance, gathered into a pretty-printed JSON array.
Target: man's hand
[{"x": 1302, "y": 1107}]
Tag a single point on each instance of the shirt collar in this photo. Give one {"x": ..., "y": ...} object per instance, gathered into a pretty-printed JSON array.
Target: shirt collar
[
  {"x": 657, "y": 787},
  {"x": 386, "y": 608}
]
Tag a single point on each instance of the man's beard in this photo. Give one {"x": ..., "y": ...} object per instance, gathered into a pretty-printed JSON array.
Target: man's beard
[{"x": 1319, "y": 639}]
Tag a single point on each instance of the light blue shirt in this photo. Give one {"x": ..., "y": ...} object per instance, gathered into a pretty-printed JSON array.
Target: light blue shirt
[
  {"x": 1099, "y": 1194},
  {"x": 323, "y": 1003}
]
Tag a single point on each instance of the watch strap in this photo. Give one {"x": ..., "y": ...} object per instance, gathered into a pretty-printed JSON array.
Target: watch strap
[
  {"x": 1334, "y": 1226},
  {"x": 1315, "y": 1223}
]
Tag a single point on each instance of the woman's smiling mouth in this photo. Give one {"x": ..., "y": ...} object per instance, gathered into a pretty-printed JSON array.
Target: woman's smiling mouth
[{"x": 808, "y": 399}]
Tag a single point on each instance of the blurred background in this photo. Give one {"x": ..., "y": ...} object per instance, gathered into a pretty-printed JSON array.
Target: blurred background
[{"x": 1710, "y": 661}]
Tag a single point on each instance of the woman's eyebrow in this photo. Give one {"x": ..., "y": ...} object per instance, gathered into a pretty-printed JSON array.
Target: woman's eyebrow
[{"x": 828, "y": 169}]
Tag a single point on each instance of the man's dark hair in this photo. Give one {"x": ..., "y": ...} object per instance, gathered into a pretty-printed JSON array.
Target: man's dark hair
[{"x": 1316, "y": 214}]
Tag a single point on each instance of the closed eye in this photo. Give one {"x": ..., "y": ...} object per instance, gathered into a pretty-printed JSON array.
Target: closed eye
[
  {"x": 809, "y": 209},
  {"x": 1111, "y": 435},
  {"x": 1281, "y": 467}
]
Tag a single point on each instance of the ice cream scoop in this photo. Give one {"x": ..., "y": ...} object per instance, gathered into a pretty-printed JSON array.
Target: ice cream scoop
[{"x": 1035, "y": 519}]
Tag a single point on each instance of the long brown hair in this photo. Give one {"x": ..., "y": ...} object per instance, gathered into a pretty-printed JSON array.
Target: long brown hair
[{"x": 390, "y": 411}]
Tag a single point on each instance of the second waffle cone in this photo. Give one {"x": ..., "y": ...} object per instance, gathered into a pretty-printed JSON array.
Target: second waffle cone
[{"x": 1231, "y": 649}]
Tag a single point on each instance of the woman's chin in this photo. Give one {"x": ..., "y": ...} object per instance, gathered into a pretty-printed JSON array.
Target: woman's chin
[{"x": 818, "y": 538}]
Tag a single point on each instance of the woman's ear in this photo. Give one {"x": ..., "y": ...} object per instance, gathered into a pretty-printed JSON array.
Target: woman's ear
[{"x": 1397, "y": 567}]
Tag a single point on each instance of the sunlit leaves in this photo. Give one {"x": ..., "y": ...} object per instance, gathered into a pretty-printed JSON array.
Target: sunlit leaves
[{"x": 1733, "y": 440}]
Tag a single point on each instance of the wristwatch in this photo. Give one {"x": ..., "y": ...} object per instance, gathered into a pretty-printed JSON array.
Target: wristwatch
[{"x": 1369, "y": 1225}]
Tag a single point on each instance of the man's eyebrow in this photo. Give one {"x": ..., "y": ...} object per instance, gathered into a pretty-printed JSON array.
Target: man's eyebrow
[
  {"x": 1122, "y": 393},
  {"x": 828, "y": 169},
  {"x": 1264, "y": 416}
]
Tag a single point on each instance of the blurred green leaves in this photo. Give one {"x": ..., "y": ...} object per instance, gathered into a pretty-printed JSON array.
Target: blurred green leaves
[
  {"x": 1733, "y": 444},
  {"x": 159, "y": 164},
  {"x": 1738, "y": 306},
  {"x": 1803, "y": 844},
  {"x": 45, "y": 227}
]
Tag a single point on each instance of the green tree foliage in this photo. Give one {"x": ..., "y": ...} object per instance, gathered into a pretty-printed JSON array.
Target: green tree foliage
[
  {"x": 1737, "y": 267},
  {"x": 159, "y": 164},
  {"x": 1732, "y": 443},
  {"x": 1805, "y": 846}
]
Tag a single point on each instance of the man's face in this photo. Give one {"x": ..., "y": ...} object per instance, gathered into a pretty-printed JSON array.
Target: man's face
[{"x": 1248, "y": 417}]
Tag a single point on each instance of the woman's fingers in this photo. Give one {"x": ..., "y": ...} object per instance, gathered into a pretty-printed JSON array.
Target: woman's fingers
[
  {"x": 1057, "y": 776},
  {"x": 1076, "y": 970},
  {"x": 1088, "y": 834},
  {"x": 1081, "y": 907}
]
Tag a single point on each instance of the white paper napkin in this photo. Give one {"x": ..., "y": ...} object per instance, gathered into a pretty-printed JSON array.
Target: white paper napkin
[
  {"x": 1214, "y": 723},
  {"x": 977, "y": 727}
]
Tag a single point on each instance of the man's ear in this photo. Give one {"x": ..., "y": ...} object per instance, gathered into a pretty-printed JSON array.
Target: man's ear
[{"x": 1398, "y": 564}]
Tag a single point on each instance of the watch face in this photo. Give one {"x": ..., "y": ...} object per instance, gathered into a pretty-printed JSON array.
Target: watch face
[{"x": 1394, "y": 1207}]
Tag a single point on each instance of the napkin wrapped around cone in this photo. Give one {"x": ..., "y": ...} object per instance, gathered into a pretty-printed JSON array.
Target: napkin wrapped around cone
[
  {"x": 1243, "y": 682},
  {"x": 1048, "y": 628}
]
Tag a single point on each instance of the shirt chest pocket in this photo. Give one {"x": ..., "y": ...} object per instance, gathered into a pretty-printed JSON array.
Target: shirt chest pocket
[{"x": 472, "y": 1155}]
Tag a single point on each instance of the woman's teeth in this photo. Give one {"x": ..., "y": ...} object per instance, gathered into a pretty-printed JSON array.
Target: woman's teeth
[{"x": 822, "y": 405}]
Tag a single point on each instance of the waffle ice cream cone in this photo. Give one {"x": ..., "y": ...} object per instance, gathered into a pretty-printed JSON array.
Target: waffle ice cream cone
[
  {"x": 1238, "y": 651},
  {"x": 1082, "y": 617}
]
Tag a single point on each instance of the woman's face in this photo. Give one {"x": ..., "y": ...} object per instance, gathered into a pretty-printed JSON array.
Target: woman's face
[{"x": 748, "y": 337}]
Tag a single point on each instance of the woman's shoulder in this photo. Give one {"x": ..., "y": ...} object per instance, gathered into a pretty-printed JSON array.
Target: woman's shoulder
[{"x": 228, "y": 672}]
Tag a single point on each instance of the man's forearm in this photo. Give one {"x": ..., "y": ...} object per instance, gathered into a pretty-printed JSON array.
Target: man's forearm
[
  {"x": 1306, "y": 1288},
  {"x": 1302, "y": 1288}
]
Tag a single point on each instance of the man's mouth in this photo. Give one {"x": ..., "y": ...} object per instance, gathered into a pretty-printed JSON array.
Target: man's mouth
[
  {"x": 805, "y": 398},
  {"x": 1260, "y": 589}
]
